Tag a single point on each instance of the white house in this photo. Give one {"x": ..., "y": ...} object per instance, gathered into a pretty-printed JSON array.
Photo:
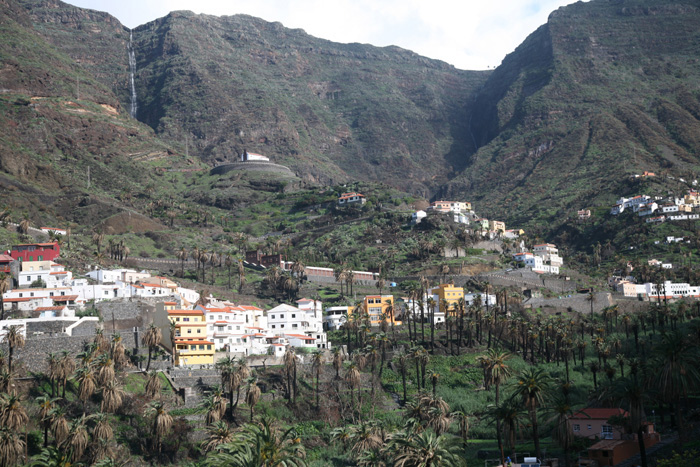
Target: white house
[
  {"x": 50, "y": 273},
  {"x": 287, "y": 320},
  {"x": 470, "y": 298},
  {"x": 110, "y": 276},
  {"x": 351, "y": 198},
  {"x": 334, "y": 317},
  {"x": 417, "y": 217},
  {"x": 414, "y": 309},
  {"x": 647, "y": 209}
]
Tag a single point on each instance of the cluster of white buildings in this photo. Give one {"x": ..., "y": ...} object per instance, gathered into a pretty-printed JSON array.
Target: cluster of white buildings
[
  {"x": 248, "y": 330},
  {"x": 47, "y": 290},
  {"x": 462, "y": 213},
  {"x": 544, "y": 258},
  {"x": 673, "y": 209},
  {"x": 238, "y": 329},
  {"x": 666, "y": 291}
]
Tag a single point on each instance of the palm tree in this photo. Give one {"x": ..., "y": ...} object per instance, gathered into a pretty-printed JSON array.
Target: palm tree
[
  {"x": 12, "y": 414},
  {"x": 531, "y": 388},
  {"x": 252, "y": 396},
  {"x": 509, "y": 413},
  {"x": 260, "y": 445},
  {"x": 153, "y": 384},
  {"x": 77, "y": 440},
  {"x": 152, "y": 339},
  {"x": 86, "y": 384},
  {"x": 426, "y": 449},
  {"x": 290, "y": 370},
  {"x": 46, "y": 405},
  {"x": 337, "y": 361},
  {"x": 182, "y": 255},
  {"x": 59, "y": 424},
  {"x": 365, "y": 438},
  {"x": 676, "y": 361},
  {"x": 401, "y": 360},
  {"x": 316, "y": 364},
  {"x": 230, "y": 380},
  {"x": 11, "y": 446},
  {"x": 352, "y": 376},
  {"x": 105, "y": 369},
  {"x": 14, "y": 340},
  {"x": 162, "y": 422},
  {"x": 211, "y": 406},
  {"x": 112, "y": 395},
  {"x": 102, "y": 429},
  {"x": 228, "y": 262},
  {"x": 218, "y": 433},
  {"x": 117, "y": 352},
  {"x": 23, "y": 226},
  {"x": 561, "y": 411},
  {"x": 497, "y": 371}
]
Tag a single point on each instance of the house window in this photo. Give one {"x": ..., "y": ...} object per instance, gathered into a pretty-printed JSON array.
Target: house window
[
  {"x": 281, "y": 316},
  {"x": 281, "y": 325},
  {"x": 273, "y": 326},
  {"x": 272, "y": 317},
  {"x": 31, "y": 258},
  {"x": 201, "y": 346},
  {"x": 607, "y": 432},
  {"x": 189, "y": 331},
  {"x": 185, "y": 319},
  {"x": 589, "y": 427},
  {"x": 199, "y": 331},
  {"x": 294, "y": 325},
  {"x": 29, "y": 278},
  {"x": 577, "y": 427},
  {"x": 293, "y": 315},
  {"x": 31, "y": 294},
  {"x": 208, "y": 346}
]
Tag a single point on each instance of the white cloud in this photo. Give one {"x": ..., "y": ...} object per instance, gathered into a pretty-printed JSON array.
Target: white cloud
[{"x": 468, "y": 34}]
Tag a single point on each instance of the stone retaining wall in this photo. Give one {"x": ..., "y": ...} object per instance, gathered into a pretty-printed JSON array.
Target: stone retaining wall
[
  {"x": 258, "y": 166},
  {"x": 36, "y": 349}
]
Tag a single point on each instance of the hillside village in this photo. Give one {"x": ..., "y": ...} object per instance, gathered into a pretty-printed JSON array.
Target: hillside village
[{"x": 277, "y": 250}]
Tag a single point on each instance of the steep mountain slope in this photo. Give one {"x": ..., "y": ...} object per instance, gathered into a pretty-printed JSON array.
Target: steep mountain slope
[
  {"x": 332, "y": 112},
  {"x": 605, "y": 89},
  {"x": 68, "y": 148}
]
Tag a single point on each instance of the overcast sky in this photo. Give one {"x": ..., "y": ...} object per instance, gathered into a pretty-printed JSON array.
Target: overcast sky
[{"x": 469, "y": 34}]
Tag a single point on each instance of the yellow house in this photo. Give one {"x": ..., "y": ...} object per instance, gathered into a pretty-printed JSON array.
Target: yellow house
[
  {"x": 375, "y": 306},
  {"x": 191, "y": 344},
  {"x": 448, "y": 293},
  {"x": 497, "y": 226}
]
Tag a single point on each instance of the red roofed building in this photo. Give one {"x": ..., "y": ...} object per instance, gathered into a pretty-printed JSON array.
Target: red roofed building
[
  {"x": 351, "y": 198},
  {"x": 36, "y": 251},
  {"x": 593, "y": 423}
]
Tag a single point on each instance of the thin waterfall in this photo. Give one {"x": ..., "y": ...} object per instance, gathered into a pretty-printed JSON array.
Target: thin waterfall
[{"x": 132, "y": 72}]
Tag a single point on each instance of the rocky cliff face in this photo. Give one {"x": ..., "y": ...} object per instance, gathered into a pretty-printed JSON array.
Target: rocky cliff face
[
  {"x": 604, "y": 90},
  {"x": 332, "y": 112}
]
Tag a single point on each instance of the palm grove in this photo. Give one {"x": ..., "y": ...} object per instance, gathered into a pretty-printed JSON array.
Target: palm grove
[{"x": 497, "y": 373}]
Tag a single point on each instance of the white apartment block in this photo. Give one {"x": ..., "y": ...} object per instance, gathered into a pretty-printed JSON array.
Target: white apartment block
[
  {"x": 299, "y": 324},
  {"x": 50, "y": 273}
]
